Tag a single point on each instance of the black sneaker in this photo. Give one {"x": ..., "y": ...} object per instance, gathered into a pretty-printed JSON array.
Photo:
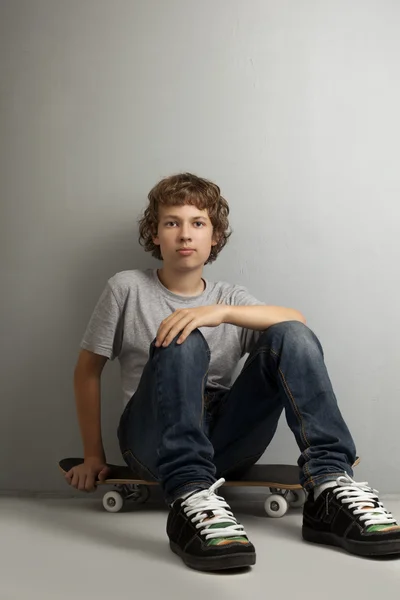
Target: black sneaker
[
  {"x": 351, "y": 516},
  {"x": 204, "y": 533}
]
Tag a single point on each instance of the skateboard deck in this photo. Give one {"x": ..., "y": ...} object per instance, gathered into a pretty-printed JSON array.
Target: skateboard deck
[
  {"x": 275, "y": 476},
  {"x": 283, "y": 482}
]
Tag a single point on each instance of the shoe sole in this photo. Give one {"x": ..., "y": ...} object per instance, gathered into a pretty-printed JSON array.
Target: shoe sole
[
  {"x": 215, "y": 563},
  {"x": 384, "y": 548}
]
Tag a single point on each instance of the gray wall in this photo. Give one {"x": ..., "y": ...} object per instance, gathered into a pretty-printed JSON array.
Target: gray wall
[{"x": 292, "y": 107}]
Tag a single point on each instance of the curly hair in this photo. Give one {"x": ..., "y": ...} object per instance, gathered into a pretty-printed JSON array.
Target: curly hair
[{"x": 177, "y": 190}]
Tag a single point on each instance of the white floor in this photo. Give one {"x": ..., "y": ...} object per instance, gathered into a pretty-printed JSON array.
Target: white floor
[{"x": 71, "y": 548}]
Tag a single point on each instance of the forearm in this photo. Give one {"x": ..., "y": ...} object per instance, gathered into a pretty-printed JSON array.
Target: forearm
[
  {"x": 87, "y": 389},
  {"x": 261, "y": 317}
]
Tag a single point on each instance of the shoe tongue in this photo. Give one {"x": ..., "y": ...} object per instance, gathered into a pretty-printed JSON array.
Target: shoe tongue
[
  {"x": 221, "y": 540},
  {"x": 210, "y": 515},
  {"x": 375, "y": 528},
  {"x": 391, "y": 526}
]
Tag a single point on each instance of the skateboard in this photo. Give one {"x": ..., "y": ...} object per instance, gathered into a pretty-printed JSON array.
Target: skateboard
[{"x": 282, "y": 481}]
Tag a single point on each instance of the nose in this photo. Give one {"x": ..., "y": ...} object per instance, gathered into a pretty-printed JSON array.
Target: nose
[{"x": 184, "y": 234}]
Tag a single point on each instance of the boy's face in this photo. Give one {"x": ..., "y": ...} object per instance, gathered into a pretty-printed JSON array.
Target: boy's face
[{"x": 184, "y": 227}]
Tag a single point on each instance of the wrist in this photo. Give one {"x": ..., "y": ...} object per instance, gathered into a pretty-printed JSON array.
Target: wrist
[
  {"x": 228, "y": 313},
  {"x": 94, "y": 458}
]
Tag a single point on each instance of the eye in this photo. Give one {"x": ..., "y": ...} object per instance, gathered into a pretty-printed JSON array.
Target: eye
[{"x": 197, "y": 223}]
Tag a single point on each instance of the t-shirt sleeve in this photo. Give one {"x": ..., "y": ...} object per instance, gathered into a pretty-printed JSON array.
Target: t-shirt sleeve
[
  {"x": 103, "y": 334},
  {"x": 239, "y": 296}
]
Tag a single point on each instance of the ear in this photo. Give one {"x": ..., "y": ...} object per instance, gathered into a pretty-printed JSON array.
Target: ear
[
  {"x": 156, "y": 239},
  {"x": 215, "y": 240}
]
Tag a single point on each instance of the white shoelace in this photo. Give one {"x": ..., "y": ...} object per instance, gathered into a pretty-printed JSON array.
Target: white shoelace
[
  {"x": 207, "y": 500},
  {"x": 363, "y": 500}
]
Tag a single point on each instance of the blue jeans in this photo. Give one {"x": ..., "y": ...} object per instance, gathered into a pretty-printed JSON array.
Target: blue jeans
[{"x": 174, "y": 432}]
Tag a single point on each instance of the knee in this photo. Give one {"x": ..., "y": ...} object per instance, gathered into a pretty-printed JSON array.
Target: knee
[
  {"x": 194, "y": 344},
  {"x": 291, "y": 328},
  {"x": 295, "y": 332}
]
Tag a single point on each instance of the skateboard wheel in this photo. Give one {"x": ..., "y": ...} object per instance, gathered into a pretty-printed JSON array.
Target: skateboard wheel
[
  {"x": 297, "y": 498},
  {"x": 113, "y": 501},
  {"x": 276, "y": 506}
]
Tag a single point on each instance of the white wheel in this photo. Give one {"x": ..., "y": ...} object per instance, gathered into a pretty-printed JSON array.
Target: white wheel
[
  {"x": 113, "y": 501},
  {"x": 297, "y": 498},
  {"x": 276, "y": 506}
]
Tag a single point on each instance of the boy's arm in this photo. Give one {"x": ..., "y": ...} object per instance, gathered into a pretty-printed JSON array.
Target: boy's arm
[
  {"x": 261, "y": 317},
  {"x": 87, "y": 384},
  {"x": 87, "y": 388}
]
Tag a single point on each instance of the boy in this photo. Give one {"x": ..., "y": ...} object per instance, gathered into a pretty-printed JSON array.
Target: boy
[{"x": 178, "y": 338}]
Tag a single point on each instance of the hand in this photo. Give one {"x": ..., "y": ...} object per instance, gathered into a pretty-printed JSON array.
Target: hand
[
  {"x": 83, "y": 477},
  {"x": 185, "y": 320}
]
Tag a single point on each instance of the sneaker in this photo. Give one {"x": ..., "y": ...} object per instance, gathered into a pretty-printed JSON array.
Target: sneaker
[
  {"x": 204, "y": 533},
  {"x": 350, "y": 515}
]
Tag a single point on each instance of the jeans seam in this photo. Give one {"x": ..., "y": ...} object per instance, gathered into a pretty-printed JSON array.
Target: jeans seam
[
  {"x": 296, "y": 409},
  {"x": 297, "y": 412},
  {"x": 298, "y": 415},
  {"x": 208, "y": 351},
  {"x": 203, "y": 385},
  {"x": 292, "y": 400},
  {"x": 160, "y": 405}
]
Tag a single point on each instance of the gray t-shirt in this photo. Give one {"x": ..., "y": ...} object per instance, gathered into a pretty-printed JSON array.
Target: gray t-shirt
[{"x": 129, "y": 312}]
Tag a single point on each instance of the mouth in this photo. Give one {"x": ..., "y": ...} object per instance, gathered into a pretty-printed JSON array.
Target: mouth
[{"x": 185, "y": 251}]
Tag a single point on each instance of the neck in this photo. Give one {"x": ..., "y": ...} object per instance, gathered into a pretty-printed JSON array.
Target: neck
[{"x": 182, "y": 284}]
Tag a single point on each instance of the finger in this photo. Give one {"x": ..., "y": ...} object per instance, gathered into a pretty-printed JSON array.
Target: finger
[
  {"x": 162, "y": 335},
  {"x": 68, "y": 475},
  {"x": 178, "y": 329},
  {"x": 103, "y": 474},
  {"x": 170, "y": 336},
  {"x": 159, "y": 341},
  {"x": 186, "y": 332},
  {"x": 90, "y": 485},
  {"x": 75, "y": 480},
  {"x": 163, "y": 327},
  {"x": 166, "y": 326},
  {"x": 82, "y": 482}
]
